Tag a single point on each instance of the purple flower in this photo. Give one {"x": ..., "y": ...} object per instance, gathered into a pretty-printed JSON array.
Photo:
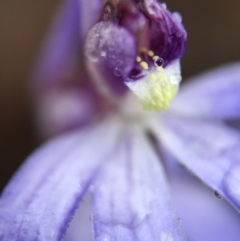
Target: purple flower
[{"x": 100, "y": 61}]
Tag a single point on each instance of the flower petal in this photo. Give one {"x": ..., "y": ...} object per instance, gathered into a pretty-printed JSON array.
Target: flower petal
[
  {"x": 167, "y": 34},
  {"x": 40, "y": 200},
  {"x": 131, "y": 197},
  {"x": 208, "y": 149},
  {"x": 80, "y": 227},
  {"x": 194, "y": 200},
  {"x": 65, "y": 109},
  {"x": 231, "y": 184},
  {"x": 215, "y": 94},
  {"x": 62, "y": 49},
  {"x": 59, "y": 52}
]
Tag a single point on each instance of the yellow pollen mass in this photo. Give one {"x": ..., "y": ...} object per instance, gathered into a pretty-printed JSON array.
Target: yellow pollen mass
[
  {"x": 144, "y": 65},
  {"x": 150, "y": 53},
  {"x": 138, "y": 59},
  {"x": 162, "y": 78},
  {"x": 160, "y": 68},
  {"x": 159, "y": 85},
  {"x": 156, "y": 90},
  {"x": 153, "y": 77}
]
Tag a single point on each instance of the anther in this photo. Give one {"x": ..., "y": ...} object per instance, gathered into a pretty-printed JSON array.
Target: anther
[
  {"x": 160, "y": 68},
  {"x": 144, "y": 65},
  {"x": 150, "y": 53},
  {"x": 138, "y": 59}
]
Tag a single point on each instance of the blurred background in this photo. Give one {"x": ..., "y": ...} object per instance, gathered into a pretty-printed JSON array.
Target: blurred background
[{"x": 213, "y": 39}]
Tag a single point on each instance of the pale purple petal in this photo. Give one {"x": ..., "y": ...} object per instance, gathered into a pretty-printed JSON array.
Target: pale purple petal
[
  {"x": 214, "y": 94},
  {"x": 40, "y": 200},
  {"x": 59, "y": 53},
  {"x": 90, "y": 13},
  {"x": 205, "y": 216},
  {"x": 65, "y": 98},
  {"x": 65, "y": 109},
  {"x": 231, "y": 184},
  {"x": 80, "y": 227},
  {"x": 208, "y": 149},
  {"x": 62, "y": 50},
  {"x": 131, "y": 199}
]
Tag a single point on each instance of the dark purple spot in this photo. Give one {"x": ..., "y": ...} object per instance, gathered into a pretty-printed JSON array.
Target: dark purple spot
[
  {"x": 135, "y": 73},
  {"x": 158, "y": 62}
]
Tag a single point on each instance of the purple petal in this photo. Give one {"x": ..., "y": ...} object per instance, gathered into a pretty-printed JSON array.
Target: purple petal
[
  {"x": 59, "y": 53},
  {"x": 65, "y": 109},
  {"x": 41, "y": 199},
  {"x": 60, "y": 70},
  {"x": 214, "y": 94},
  {"x": 167, "y": 34},
  {"x": 62, "y": 49},
  {"x": 231, "y": 184},
  {"x": 90, "y": 13},
  {"x": 80, "y": 227},
  {"x": 204, "y": 216},
  {"x": 208, "y": 149},
  {"x": 131, "y": 197}
]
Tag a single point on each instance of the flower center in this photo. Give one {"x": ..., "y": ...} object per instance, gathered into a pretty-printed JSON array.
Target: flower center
[{"x": 159, "y": 85}]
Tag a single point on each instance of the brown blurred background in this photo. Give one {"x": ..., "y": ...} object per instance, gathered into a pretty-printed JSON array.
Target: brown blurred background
[{"x": 213, "y": 39}]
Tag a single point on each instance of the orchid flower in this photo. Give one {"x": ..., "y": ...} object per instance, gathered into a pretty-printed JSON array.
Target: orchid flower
[{"x": 105, "y": 87}]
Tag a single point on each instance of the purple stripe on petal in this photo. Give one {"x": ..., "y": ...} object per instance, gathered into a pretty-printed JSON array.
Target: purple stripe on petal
[
  {"x": 41, "y": 198},
  {"x": 208, "y": 149},
  {"x": 131, "y": 199},
  {"x": 215, "y": 94}
]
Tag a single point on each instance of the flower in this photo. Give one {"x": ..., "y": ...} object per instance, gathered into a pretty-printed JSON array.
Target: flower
[{"x": 110, "y": 147}]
